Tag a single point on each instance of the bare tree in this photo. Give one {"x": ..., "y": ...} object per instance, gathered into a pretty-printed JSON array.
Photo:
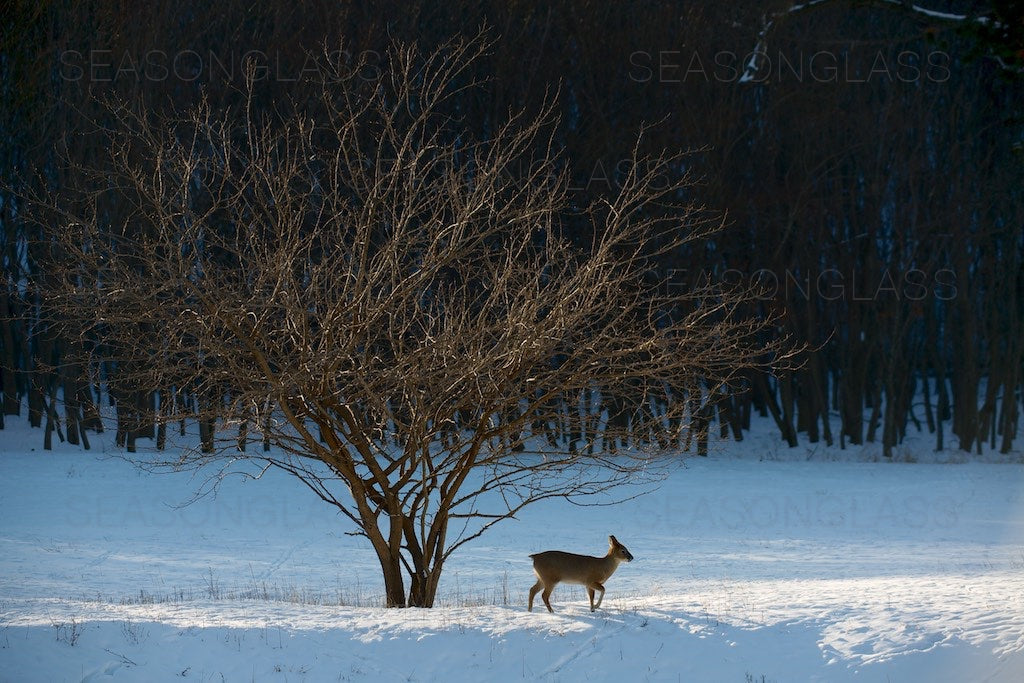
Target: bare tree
[{"x": 390, "y": 302}]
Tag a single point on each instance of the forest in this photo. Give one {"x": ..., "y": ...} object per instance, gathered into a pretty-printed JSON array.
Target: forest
[{"x": 864, "y": 161}]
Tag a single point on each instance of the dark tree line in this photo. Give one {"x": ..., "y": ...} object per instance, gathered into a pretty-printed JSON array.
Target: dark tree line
[{"x": 870, "y": 175}]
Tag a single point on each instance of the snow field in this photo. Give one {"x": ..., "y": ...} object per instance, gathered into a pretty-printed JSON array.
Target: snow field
[{"x": 752, "y": 565}]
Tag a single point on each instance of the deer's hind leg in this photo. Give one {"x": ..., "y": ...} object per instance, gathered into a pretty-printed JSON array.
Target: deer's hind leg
[{"x": 546, "y": 595}]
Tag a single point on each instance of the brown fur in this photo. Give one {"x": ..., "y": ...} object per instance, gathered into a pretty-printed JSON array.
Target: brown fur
[{"x": 554, "y": 566}]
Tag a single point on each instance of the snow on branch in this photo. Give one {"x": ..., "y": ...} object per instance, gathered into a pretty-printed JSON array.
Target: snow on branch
[{"x": 768, "y": 21}]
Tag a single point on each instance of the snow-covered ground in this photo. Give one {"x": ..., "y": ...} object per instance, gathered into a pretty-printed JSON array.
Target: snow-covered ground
[{"x": 759, "y": 563}]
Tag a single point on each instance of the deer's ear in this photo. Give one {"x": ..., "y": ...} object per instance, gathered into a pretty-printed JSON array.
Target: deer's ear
[{"x": 611, "y": 539}]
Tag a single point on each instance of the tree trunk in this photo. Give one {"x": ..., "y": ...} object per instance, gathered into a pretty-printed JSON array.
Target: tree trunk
[
  {"x": 72, "y": 416},
  {"x": 423, "y": 586},
  {"x": 785, "y": 425},
  {"x": 928, "y": 415},
  {"x": 163, "y": 408},
  {"x": 1008, "y": 416},
  {"x": 941, "y": 408},
  {"x": 394, "y": 585},
  {"x": 727, "y": 410},
  {"x": 8, "y": 359},
  {"x": 852, "y": 392},
  {"x": 876, "y": 410},
  {"x": 820, "y": 387}
]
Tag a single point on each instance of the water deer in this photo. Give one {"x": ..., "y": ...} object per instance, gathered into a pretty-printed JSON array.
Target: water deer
[{"x": 554, "y": 566}]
